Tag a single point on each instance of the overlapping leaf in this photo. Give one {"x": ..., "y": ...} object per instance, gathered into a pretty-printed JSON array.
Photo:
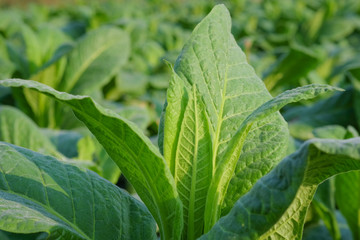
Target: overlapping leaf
[
  {"x": 95, "y": 59},
  {"x": 276, "y": 206},
  {"x": 229, "y": 87},
  {"x": 132, "y": 151},
  {"x": 213, "y": 64},
  {"x": 41, "y": 194}
]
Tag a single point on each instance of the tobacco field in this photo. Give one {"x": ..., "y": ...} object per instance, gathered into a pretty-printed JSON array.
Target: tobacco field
[{"x": 180, "y": 120}]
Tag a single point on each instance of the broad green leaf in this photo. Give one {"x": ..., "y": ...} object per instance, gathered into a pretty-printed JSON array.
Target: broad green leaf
[
  {"x": 95, "y": 59},
  {"x": 17, "y": 128},
  {"x": 276, "y": 206},
  {"x": 33, "y": 48},
  {"x": 347, "y": 195},
  {"x": 229, "y": 87},
  {"x": 40, "y": 194},
  {"x": 212, "y": 62},
  {"x": 226, "y": 167},
  {"x": 132, "y": 151}
]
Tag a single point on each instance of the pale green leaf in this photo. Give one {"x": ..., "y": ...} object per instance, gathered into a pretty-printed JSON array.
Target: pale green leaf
[
  {"x": 330, "y": 131},
  {"x": 212, "y": 62},
  {"x": 33, "y": 48},
  {"x": 95, "y": 59},
  {"x": 40, "y": 194},
  {"x": 224, "y": 170},
  {"x": 193, "y": 166},
  {"x": 276, "y": 206},
  {"x": 229, "y": 87},
  {"x": 139, "y": 160}
]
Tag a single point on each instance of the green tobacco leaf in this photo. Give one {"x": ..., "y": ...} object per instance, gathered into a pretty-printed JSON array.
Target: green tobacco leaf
[
  {"x": 228, "y": 85},
  {"x": 212, "y": 62},
  {"x": 17, "y": 128},
  {"x": 33, "y": 48},
  {"x": 250, "y": 166},
  {"x": 95, "y": 59},
  {"x": 40, "y": 194},
  {"x": 276, "y": 206},
  {"x": 347, "y": 195},
  {"x": 193, "y": 170},
  {"x": 139, "y": 160},
  {"x": 223, "y": 171}
]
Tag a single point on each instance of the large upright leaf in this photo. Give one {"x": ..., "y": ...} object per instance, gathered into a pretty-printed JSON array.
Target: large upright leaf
[
  {"x": 138, "y": 159},
  {"x": 212, "y": 63},
  {"x": 224, "y": 170},
  {"x": 95, "y": 59},
  {"x": 229, "y": 87},
  {"x": 40, "y": 194},
  {"x": 276, "y": 206}
]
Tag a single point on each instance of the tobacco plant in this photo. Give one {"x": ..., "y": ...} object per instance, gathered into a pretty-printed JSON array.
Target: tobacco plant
[{"x": 219, "y": 172}]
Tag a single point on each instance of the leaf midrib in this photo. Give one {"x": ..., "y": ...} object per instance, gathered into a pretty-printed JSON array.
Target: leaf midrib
[{"x": 191, "y": 212}]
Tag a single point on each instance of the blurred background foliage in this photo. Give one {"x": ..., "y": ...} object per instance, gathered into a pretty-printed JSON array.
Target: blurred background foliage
[{"x": 121, "y": 52}]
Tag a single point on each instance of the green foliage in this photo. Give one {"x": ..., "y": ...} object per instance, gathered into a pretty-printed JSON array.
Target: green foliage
[
  {"x": 221, "y": 170},
  {"x": 266, "y": 213},
  {"x": 42, "y": 194}
]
